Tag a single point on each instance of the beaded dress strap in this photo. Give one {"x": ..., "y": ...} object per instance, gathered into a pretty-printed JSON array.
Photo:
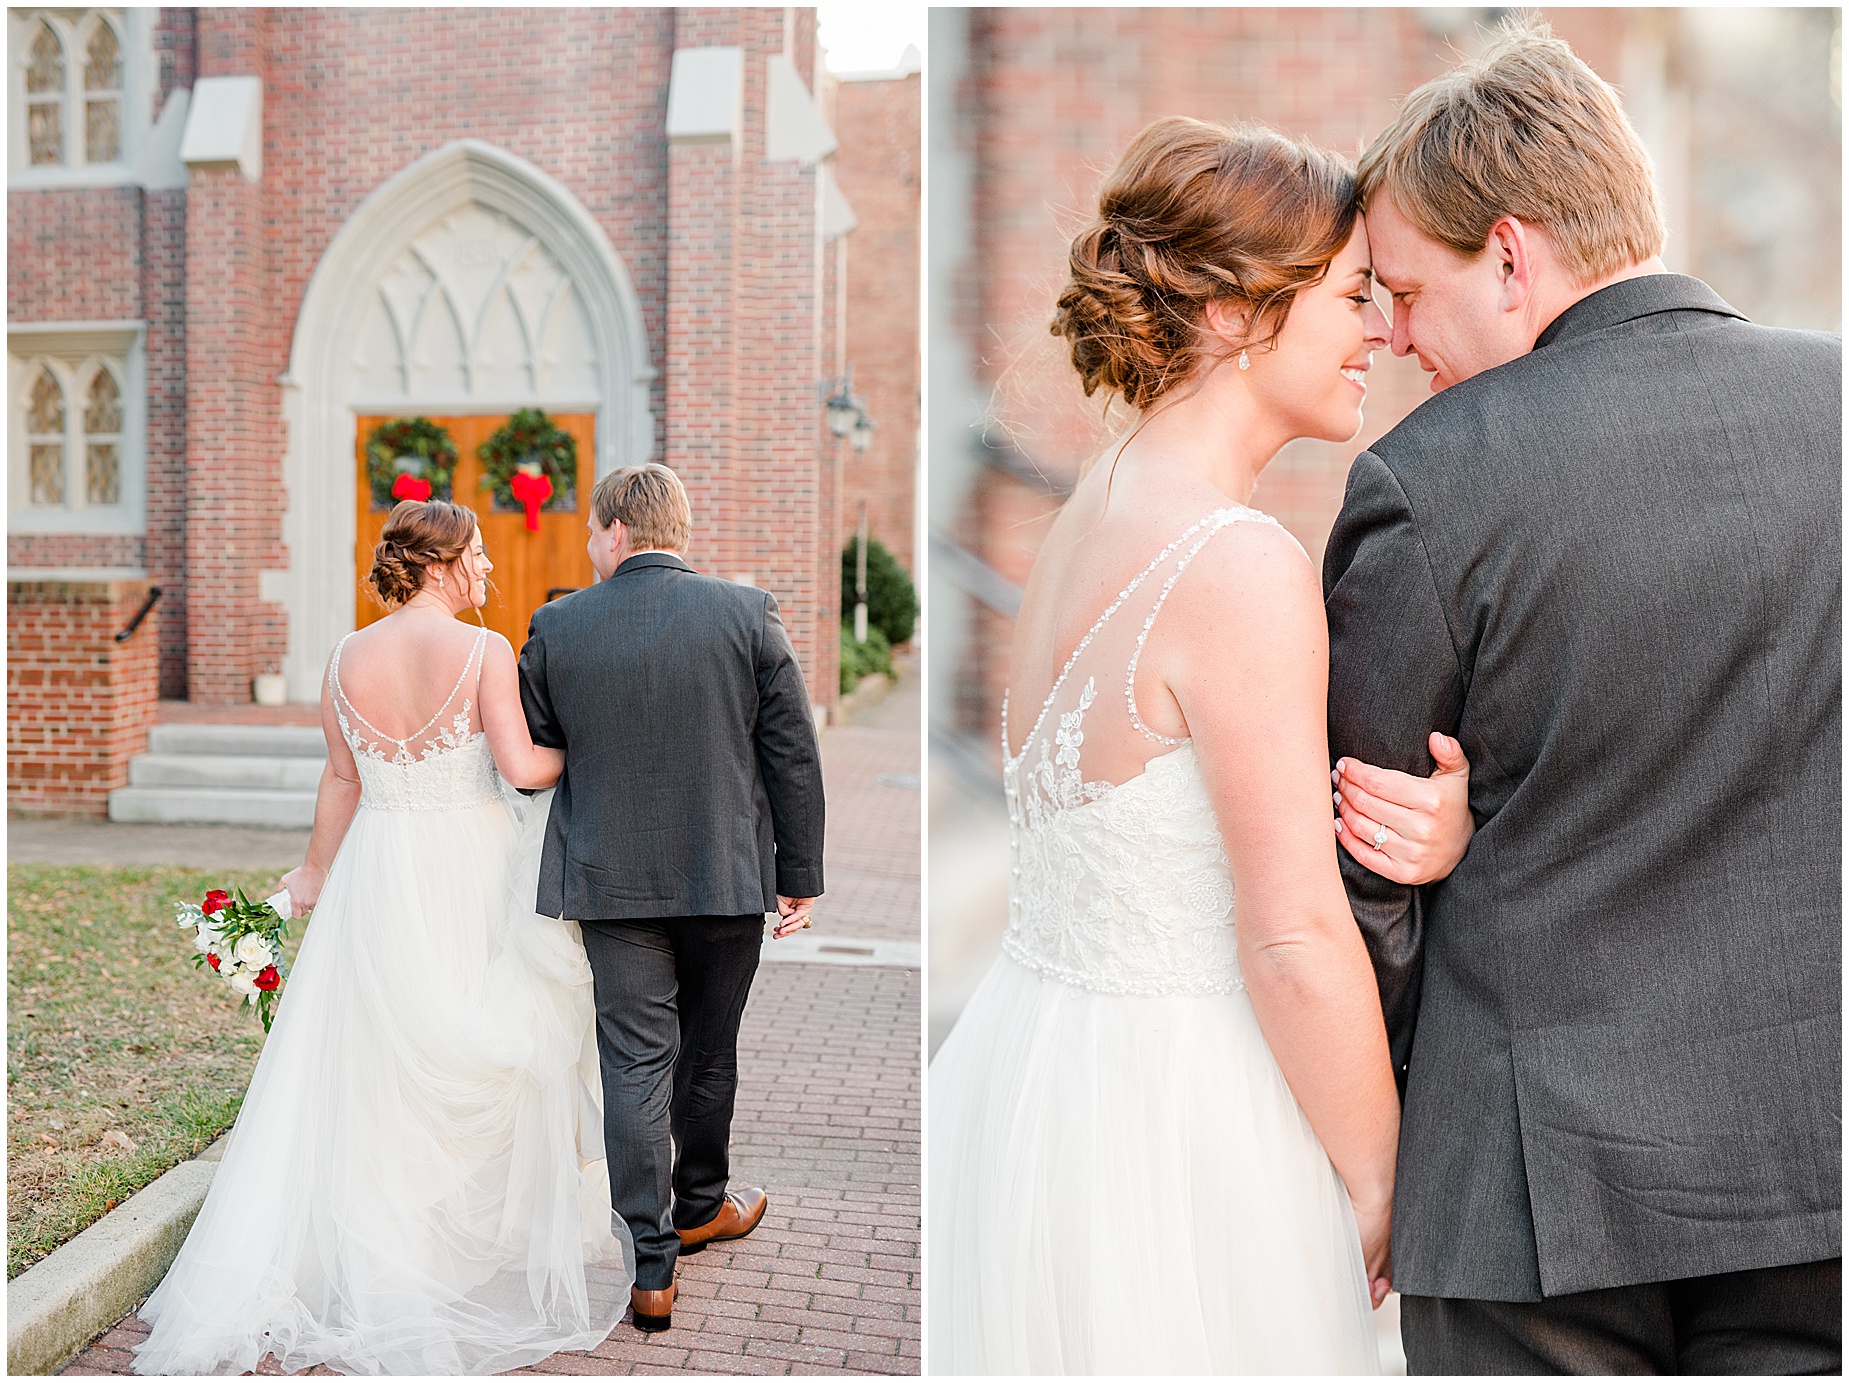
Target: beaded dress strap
[
  {"x": 1219, "y": 520},
  {"x": 404, "y": 745},
  {"x": 1092, "y": 633}
]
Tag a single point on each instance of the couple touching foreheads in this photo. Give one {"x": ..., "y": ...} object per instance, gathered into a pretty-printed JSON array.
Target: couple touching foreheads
[{"x": 1577, "y": 645}]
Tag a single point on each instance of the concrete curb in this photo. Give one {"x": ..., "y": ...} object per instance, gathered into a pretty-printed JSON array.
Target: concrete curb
[
  {"x": 867, "y": 693},
  {"x": 58, "y": 1305}
]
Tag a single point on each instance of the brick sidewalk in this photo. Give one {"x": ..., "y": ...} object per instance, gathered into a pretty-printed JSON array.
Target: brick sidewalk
[
  {"x": 827, "y": 1122},
  {"x": 871, "y": 863}
]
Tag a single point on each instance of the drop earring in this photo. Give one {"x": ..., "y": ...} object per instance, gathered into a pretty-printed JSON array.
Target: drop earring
[{"x": 1245, "y": 361}]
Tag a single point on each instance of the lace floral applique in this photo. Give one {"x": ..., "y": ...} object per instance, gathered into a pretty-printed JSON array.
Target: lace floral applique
[
  {"x": 458, "y": 733},
  {"x": 1056, "y": 777}
]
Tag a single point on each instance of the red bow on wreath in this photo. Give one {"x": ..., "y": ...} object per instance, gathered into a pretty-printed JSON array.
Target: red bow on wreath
[
  {"x": 531, "y": 488},
  {"x": 409, "y": 486}
]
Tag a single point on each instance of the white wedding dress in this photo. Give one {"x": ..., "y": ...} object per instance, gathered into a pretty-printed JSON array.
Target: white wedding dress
[
  {"x": 415, "y": 1184},
  {"x": 1121, "y": 1181}
]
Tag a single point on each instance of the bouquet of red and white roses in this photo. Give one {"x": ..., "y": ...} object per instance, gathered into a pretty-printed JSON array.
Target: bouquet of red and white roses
[{"x": 242, "y": 942}]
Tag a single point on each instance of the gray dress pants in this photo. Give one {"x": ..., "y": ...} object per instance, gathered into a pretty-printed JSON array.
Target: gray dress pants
[
  {"x": 1766, "y": 1320},
  {"x": 670, "y": 994}
]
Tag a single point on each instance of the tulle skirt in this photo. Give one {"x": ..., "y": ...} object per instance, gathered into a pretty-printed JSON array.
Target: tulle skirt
[
  {"x": 1127, "y": 1185},
  {"x": 415, "y": 1184}
]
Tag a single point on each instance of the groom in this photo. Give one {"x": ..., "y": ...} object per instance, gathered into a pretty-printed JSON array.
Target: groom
[
  {"x": 690, "y": 806},
  {"x": 1606, "y": 557}
]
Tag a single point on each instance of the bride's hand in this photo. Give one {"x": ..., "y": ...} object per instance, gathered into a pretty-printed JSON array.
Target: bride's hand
[
  {"x": 1376, "y": 1225},
  {"x": 304, "y": 885},
  {"x": 1428, "y": 820}
]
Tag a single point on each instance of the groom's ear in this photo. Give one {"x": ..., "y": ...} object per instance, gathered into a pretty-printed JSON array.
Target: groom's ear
[{"x": 1511, "y": 247}]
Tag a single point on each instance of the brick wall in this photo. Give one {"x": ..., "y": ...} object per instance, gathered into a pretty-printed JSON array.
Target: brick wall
[
  {"x": 879, "y": 170},
  {"x": 351, "y": 97},
  {"x": 79, "y": 704}
]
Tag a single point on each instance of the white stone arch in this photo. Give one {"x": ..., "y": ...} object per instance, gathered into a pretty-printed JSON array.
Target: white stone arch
[{"x": 363, "y": 343}]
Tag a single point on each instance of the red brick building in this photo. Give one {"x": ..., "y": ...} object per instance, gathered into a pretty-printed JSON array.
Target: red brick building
[
  {"x": 240, "y": 239},
  {"x": 1740, "y": 109},
  {"x": 880, "y": 169}
]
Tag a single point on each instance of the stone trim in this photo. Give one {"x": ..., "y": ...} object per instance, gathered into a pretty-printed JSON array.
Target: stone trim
[{"x": 320, "y": 416}]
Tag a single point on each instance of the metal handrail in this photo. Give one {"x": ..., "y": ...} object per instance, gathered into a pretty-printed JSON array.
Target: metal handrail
[{"x": 154, "y": 595}]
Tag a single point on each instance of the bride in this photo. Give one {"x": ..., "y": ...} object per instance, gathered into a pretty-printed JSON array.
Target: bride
[
  {"x": 1163, "y": 1131},
  {"x": 415, "y": 1183}
]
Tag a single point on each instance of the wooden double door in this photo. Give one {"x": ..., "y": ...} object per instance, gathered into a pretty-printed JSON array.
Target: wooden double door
[{"x": 528, "y": 567}]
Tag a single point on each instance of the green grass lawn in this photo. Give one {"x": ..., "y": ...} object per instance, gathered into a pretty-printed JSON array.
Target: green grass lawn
[{"x": 122, "y": 1060}]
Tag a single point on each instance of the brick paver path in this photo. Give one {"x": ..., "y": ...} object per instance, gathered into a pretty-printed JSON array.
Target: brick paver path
[{"x": 827, "y": 1122}]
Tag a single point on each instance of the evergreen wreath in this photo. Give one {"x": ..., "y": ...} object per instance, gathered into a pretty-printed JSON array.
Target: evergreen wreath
[
  {"x": 409, "y": 458},
  {"x": 531, "y": 442}
]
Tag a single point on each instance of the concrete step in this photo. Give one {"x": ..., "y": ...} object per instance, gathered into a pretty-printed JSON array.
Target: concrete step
[
  {"x": 224, "y": 771},
  {"x": 270, "y": 807},
  {"x": 266, "y": 741}
]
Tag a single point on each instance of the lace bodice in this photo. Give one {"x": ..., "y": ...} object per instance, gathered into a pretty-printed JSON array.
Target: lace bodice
[
  {"x": 1119, "y": 888},
  {"x": 451, "y": 767}
]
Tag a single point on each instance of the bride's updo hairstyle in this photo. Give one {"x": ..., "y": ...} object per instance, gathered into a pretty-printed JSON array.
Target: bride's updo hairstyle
[
  {"x": 418, "y": 533},
  {"x": 1195, "y": 213}
]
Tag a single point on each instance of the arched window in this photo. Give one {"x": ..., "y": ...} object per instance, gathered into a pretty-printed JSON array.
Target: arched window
[
  {"x": 77, "y": 439},
  {"x": 45, "y": 439},
  {"x": 102, "y": 439},
  {"x": 82, "y": 93},
  {"x": 45, "y": 96},
  {"x": 102, "y": 93}
]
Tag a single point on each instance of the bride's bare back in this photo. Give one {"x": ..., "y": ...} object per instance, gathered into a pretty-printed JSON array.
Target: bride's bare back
[{"x": 409, "y": 670}]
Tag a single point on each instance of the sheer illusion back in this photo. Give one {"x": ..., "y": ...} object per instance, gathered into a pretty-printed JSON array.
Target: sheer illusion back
[
  {"x": 1122, "y": 887},
  {"x": 451, "y": 765}
]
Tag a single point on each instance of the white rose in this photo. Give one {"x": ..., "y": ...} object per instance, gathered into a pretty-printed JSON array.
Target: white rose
[
  {"x": 207, "y": 939},
  {"x": 244, "y": 981},
  {"x": 254, "y": 952}
]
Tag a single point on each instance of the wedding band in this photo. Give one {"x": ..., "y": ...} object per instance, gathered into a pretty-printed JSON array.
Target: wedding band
[{"x": 1380, "y": 837}]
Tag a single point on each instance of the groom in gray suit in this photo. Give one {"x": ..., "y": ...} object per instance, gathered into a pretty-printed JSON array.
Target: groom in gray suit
[
  {"x": 1606, "y": 557},
  {"x": 690, "y": 806}
]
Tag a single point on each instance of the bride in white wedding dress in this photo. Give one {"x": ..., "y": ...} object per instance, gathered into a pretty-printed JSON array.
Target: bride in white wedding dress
[
  {"x": 415, "y": 1183},
  {"x": 1163, "y": 1129}
]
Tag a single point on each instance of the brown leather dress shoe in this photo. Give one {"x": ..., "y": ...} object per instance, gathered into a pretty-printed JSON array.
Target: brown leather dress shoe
[
  {"x": 652, "y": 1311},
  {"x": 738, "y": 1215}
]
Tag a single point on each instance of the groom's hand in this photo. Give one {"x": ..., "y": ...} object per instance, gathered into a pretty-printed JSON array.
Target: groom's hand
[
  {"x": 792, "y": 914},
  {"x": 1427, "y": 821}
]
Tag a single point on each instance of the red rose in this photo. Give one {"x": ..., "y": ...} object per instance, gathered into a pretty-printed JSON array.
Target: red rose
[
  {"x": 267, "y": 978},
  {"x": 409, "y": 486},
  {"x": 215, "y": 902},
  {"x": 211, "y": 960}
]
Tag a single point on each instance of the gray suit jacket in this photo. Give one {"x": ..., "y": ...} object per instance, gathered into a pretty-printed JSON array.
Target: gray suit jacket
[
  {"x": 1611, "y": 568},
  {"x": 692, "y": 785}
]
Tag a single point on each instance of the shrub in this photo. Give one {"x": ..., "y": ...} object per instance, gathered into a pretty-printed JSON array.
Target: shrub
[
  {"x": 859, "y": 659},
  {"x": 892, "y": 603}
]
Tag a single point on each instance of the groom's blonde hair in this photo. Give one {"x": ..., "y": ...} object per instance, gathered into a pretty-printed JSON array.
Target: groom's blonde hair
[
  {"x": 1524, "y": 129},
  {"x": 651, "y": 502}
]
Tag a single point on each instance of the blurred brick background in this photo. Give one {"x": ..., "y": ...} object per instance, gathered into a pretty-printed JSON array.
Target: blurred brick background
[{"x": 1741, "y": 112}]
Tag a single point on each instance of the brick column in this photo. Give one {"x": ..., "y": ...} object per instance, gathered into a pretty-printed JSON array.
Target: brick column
[
  {"x": 233, "y": 437},
  {"x": 702, "y": 245},
  {"x": 79, "y": 704},
  {"x": 783, "y": 528}
]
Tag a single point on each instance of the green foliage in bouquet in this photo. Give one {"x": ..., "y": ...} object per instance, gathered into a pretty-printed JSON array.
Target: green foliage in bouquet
[
  {"x": 892, "y": 603},
  {"x": 409, "y": 458},
  {"x": 242, "y": 943}
]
